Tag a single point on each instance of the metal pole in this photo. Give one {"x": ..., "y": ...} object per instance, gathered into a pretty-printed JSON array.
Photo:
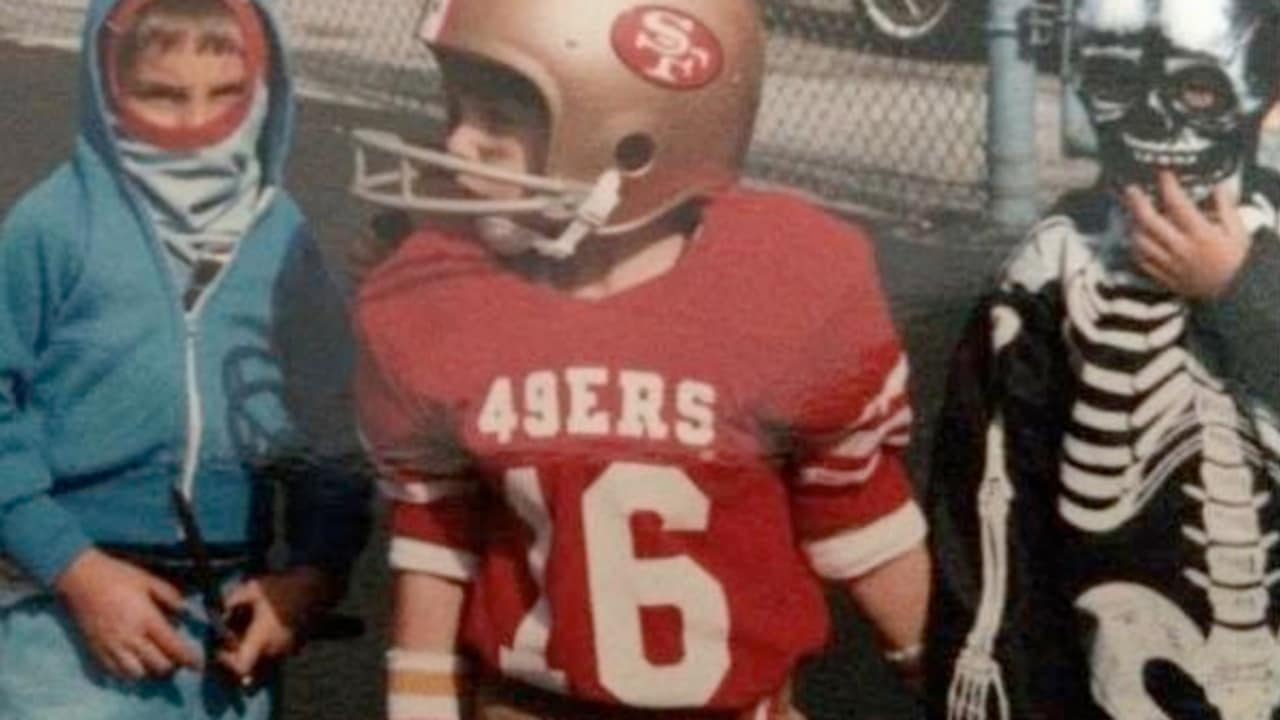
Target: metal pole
[
  {"x": 1078, "y": 139},
  {"x": 1011, "y": 139}
]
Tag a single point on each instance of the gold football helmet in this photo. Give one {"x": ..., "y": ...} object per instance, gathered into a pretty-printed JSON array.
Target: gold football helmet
[{"x": 650, "y": 104}]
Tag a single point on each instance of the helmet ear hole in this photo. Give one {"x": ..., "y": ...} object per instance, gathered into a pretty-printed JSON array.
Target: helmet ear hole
[{"x": 634, "y": 153}]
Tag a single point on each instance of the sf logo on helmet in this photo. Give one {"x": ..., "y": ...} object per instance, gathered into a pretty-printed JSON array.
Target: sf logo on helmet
[{"x": 667, "y": 47}]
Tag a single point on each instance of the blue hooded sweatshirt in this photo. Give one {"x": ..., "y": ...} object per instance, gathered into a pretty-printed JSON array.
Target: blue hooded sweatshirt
[{"x": 111, "y": 393}]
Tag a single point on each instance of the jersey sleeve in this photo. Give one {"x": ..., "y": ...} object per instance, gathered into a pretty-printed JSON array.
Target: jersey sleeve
[
  {"x": 847, "y": 415},
  {"x": 422, "y": 472}
]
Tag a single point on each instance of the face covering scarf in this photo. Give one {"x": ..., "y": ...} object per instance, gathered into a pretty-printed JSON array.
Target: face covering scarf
[{"x": 200, "y": 202}]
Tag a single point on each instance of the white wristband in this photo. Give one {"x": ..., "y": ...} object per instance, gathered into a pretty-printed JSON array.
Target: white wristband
[
  {"x": 905, "y": 657},
  {"x": 426, "y": 660}
]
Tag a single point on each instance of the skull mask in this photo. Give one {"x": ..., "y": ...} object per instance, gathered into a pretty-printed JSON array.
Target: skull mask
[{"x": 1176, "y": 84}]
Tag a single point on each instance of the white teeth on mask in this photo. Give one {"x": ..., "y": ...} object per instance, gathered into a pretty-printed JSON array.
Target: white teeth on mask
[
  {"x": 1184, "y": 144},
  {"x": 1186, "y": 152},
  {"x": 1169, "y": 159}
]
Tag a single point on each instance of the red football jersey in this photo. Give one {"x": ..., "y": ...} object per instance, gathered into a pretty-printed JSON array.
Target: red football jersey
[{"x": 644, "y": 489}]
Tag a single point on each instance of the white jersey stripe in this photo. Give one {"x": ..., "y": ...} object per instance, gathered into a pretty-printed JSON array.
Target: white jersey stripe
[
  {"x": 418, "y": 556},
  {"x": 899, "y": 439},
  {"x": 856, "y": 552},
  {"x": 894, "y": 387},
  {"x": 865, "y": 443},
  {"x": 830, "y": 477},
  {"x": 423, "y": 493}
]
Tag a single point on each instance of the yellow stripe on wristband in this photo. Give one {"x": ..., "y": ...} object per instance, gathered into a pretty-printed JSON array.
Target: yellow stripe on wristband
[
  {"x": 422, "y": 682},
  {"x": 424, "y": 685}
]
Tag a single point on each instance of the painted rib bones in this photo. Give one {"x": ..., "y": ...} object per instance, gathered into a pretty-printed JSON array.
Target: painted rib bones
[{"x": 1134, "y": 356}]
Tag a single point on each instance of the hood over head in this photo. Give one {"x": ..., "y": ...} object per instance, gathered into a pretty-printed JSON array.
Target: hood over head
[{"x": 266, "y": 61}]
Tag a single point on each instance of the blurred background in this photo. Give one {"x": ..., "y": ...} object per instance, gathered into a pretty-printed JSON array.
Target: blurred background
[{"x": 940, "y": 124}]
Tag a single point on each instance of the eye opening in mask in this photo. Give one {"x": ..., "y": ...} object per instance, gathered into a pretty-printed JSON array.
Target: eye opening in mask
[
  {"x": 1200, "y": 93},
  {"x": 1112, "y": 80}
]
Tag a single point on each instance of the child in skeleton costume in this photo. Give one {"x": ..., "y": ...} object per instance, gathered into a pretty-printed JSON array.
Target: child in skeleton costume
[{"x": 1105, "y": 516}]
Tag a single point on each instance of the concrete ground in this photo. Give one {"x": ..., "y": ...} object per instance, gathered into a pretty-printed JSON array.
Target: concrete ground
[{"x": 931, "y": 276}]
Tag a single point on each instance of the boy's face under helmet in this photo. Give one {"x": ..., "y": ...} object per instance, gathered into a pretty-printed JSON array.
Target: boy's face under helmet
[{"x": 650, "y": 104}]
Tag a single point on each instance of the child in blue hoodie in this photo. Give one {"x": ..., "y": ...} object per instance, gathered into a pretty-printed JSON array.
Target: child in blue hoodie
[{"x": 169, "y": 338}]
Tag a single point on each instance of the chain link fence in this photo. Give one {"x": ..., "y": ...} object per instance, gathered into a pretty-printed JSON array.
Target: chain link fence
[
  {"x": 856, "y": 115},
  {"x": 851, "y": 113}
]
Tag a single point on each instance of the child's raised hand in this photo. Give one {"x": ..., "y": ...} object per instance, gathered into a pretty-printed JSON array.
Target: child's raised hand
[
  {"x": 279, "y": 605},
  {"x": 122, "y": 611},
  {"x": 1189, "y": 253}
]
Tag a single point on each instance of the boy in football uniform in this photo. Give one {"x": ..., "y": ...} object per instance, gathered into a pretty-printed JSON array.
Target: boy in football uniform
[
  {"x": 628, "y": 414},
  {"x": 1104, "y": 494},
  {"x": 171, "y": 348}
]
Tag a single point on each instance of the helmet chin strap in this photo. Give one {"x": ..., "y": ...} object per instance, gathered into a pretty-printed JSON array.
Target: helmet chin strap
[
  {"x": 506, "y": 236},
  {"x": 588, "y": 217}
]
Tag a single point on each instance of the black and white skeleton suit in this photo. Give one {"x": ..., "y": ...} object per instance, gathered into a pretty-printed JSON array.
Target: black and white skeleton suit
[
  {"x": 1105, "y": 495},
  {"x": 1106, "y": 484}
]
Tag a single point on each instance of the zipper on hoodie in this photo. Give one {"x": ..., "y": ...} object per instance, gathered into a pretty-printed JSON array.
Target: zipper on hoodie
[
  {"x": 191, "y": 342},
  {"x": 195, "y": 409},
  {"x": 190, "y": 319}
]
